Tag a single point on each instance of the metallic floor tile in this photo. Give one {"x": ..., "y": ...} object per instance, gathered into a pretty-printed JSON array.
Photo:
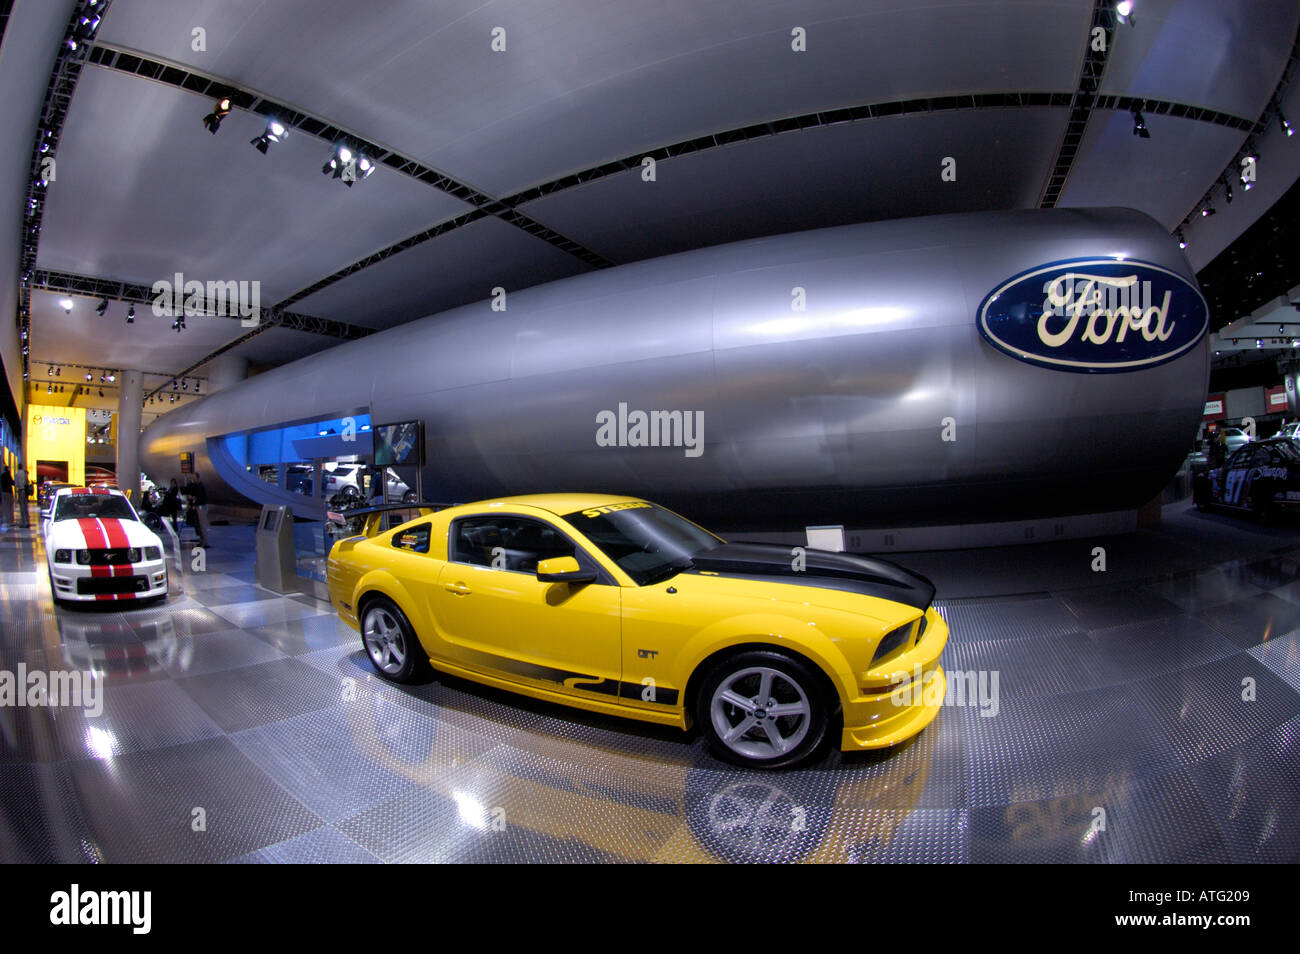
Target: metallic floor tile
[
  {"x": 1198, "y": 591},
  {"x": 215, "y": 652},
  {"x": 1139, "y": 650},
  {"x": 1105, "y": 606},
  {"x": 146, "y": 806},
  {"x": 1201, "y": 712},
  {"x": 134, "y": 718},
  {"x": 240, "y": 593},
  {"x": 250, "y": 696},
  {"x": 1049, "y": 665},
  {"x": 325, "y": 845},
  {"x": 1254, "y": 619},
  {"x": 970, "y": 621},
  {"x": 1058, "y": 746},
  {"x": 262, "y": 613},
  {"x": 1253, "y": 792},
  {"x": 308, "y": 634},
  {"x": 1282, "y": 655}
]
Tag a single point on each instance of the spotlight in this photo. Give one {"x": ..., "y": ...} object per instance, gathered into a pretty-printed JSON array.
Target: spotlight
[
  {"x": 1286, "y": 126},
  {"x": 50, "y": 389},
  {"x": 51, "y": 370},
  {"x": 185, "y": 385},
  {"x": 58, "y": 372},
  {"x": 1227, "y": 190},
  {"x": 1139, "y": 125},
  {"x": 335, "y": 164},
  {"x": 88, "y": 375},
  {"x": 130, "y": 315},
  {"x": 1124, "y": 9},
  {"x": 1182, "y": 242},
  {"x": 1207, "y": 210},
  {"x": 196, "y": 387},
  {"x": 220, "y": 110},
  {"x": 274, "y": 132},
  {"x": 101, "y": 307},
  {"x": 101, "y": 392},
  {"x": 66, "y": 304},
  {"x": 111, "y": 377}
]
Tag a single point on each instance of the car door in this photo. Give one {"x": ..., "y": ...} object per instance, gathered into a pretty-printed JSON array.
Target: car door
[{"x": 497, "y": 617}]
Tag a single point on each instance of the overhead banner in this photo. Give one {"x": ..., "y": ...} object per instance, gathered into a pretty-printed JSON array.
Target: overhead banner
[
  {"x": 1216, "y": 408},
  {"x": 1275, "y": 399},
  {"x": 57, "y": 435}
]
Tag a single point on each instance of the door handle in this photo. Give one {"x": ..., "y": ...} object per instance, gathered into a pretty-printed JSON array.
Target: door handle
[{"x": 460, "y": 589}]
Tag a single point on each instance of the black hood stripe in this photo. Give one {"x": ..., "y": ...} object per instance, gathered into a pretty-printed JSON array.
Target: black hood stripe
[{"x": 774, "y": 563}]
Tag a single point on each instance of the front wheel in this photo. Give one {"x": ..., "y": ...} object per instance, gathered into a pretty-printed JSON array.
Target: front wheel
[
  {"x": 763, "y": 709},
  {"x": 391, "y": 644}
]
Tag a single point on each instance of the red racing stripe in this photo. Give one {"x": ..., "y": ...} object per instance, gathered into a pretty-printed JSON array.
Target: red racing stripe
[
  {"x": 93, "y": 533},
  {"x": 117, "y": 539}
]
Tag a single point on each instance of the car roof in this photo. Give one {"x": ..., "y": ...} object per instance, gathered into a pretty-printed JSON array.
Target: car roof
[
  {"x": 105, "y": 491},
  {"x": 559, "y": 503}
]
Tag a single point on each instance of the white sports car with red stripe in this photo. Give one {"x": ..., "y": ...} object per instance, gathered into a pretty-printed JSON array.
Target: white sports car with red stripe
[{"x": 98, "y": 549}]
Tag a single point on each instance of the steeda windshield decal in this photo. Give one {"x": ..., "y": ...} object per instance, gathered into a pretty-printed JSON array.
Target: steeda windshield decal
[{"x": 1095, "y": 314}]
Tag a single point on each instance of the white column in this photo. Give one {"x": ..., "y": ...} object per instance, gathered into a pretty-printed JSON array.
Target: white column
[{"x": 130, "y": 394}]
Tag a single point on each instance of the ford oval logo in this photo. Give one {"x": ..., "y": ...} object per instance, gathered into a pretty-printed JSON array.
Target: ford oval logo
[{"x": 1095, "y": 315}]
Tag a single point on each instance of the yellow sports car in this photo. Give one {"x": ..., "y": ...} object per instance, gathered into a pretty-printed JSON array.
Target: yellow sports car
[{"x": 620, "y": 606}]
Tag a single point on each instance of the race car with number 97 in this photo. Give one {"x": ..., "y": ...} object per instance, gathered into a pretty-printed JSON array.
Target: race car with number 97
[{"x": 1261, "y": 478}]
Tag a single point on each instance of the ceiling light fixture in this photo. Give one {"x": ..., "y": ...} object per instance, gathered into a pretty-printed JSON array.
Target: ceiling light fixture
[
  {"x": 1124, "y": 10},
  {"x": 130, "y": 315},
  {"x": 1285, "y": 126},
  {"x": 274, "y": 132},
  {"x": 66, "y": 304},
  {"x": 220, "y": 110},
  {"x": 1140, "y": 125}
]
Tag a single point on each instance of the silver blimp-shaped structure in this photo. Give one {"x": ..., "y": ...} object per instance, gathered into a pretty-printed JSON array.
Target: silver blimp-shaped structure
[{"x": 939, "y": 370}]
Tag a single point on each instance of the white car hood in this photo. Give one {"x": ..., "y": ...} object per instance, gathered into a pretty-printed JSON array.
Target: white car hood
[{"x": 70, "y": 533}]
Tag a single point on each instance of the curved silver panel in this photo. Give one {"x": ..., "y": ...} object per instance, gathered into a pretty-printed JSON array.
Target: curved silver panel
[{"x": 837, "y": 413}]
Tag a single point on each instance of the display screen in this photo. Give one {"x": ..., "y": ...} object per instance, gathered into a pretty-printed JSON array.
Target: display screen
[
  {"x": 271, "y": 521},
  {"x": 397, "y": 444}
]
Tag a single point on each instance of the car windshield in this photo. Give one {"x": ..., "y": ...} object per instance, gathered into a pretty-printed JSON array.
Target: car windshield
[
  {"x": 73, "y": 506},
  {"x": 649, "y": 543}
]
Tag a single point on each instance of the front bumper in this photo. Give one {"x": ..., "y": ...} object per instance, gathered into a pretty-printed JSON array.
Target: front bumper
[
  {"x": 897, "y": 700},
  {"x": 84, "y": 584}
]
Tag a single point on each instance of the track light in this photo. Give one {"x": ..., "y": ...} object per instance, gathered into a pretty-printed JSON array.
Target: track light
[
  {"x": 220, "y": 110},
  {"x": 1140, "y": 125},
  {"x": 101, "y": 308},
  {"x": 274, "y": 132},
  {"x": 1182, "y": 242},
  {"x": 1124, "y": 10},
  {"x": 66, "y": 304},
  {"x": 1207, "y": 210},
  {"x": 1285, "y": 126},
  {"x": 111, "y": 377},
  {"x": 130, "y": 315},
  {"x": 346, "y": 165}
]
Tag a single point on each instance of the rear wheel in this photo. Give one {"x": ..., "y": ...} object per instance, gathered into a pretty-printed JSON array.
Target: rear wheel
[
  {"x": 1260, "y": 503},
  {"x": 390, "y": 642},
  {"x": 763, "y": 709}
]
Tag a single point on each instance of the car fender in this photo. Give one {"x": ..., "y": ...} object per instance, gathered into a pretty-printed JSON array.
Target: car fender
[
  {"x": 381, "y": 580},
  {"x": 777, "y": 630}
]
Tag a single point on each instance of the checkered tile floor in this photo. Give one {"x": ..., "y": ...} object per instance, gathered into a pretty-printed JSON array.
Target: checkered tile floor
[{"x": 1141, "y": 722}]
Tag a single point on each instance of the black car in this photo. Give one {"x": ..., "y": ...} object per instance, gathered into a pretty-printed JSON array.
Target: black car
[{"x": 1261, "y": 478}]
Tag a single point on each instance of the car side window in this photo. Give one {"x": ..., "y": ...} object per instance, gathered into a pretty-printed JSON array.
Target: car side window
[
  {"x": 507, "y": 543},
  {"x": 415, "y": 539}
]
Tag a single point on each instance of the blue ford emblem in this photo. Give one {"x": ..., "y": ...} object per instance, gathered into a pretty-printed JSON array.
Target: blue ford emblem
[{"x": 1095, "y": 315}]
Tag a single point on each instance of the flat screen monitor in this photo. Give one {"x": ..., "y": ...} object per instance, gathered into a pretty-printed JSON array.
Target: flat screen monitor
[
  {"x": 398, "y": 444},
  {"x": 271, "y": 521}
]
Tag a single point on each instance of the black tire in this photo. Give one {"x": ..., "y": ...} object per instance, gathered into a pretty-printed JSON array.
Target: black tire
[
  {"x": 1201, "y": 493},
  {"x": 409, "y": 497},
  {"x": 793, "y": 683},
  {"x": 350, "y": 494},
  {"x": 390, "y": 642}
]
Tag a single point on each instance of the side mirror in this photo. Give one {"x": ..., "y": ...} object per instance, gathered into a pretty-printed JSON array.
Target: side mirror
[{"x": 563, "y": 570}]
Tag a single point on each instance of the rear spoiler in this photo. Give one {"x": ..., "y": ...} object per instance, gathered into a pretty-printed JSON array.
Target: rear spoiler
[{"x": 373, "y": 516}]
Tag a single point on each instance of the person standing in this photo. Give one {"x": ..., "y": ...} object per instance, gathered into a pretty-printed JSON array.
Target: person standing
[
  {"x": 198, "y": 495},
  {"x": 7, "y": 497},
  {"x": 22, "y": 491},
  {"x": 170, "y": 507}
]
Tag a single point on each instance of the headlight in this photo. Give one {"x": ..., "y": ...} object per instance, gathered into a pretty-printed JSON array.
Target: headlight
[
  {"x": 152, "y": 553},
  {"x": 892, "y": 641},
  {"x": 83, "y": 557},
  {"x": 62, "y": 556},
  {"x": 133, "y": 555}
]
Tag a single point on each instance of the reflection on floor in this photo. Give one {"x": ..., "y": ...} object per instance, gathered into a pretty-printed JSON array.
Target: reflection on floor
[{"x": 240, "y": 725}]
